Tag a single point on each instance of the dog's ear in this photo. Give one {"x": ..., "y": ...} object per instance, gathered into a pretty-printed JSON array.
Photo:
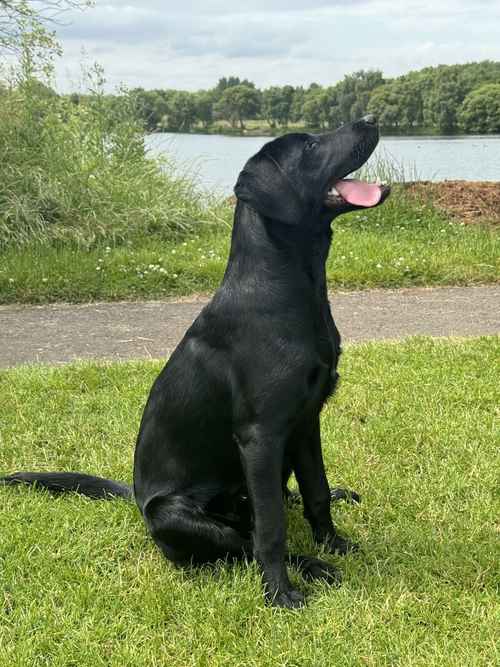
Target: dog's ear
[{"x": 266, "y": 188}]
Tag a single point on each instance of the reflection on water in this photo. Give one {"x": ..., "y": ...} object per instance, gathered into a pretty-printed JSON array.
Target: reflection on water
[{"x": 218, "y": 159}]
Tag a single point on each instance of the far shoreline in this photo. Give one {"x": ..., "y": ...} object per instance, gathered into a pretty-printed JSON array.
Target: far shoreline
[{"x": 255, "y": 133}]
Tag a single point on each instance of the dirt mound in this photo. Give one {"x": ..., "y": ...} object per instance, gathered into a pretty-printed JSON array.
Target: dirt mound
[{"x": 466, "y": 201}]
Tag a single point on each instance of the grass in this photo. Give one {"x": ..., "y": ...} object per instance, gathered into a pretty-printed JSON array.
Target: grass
[
  {"x": 412, "y": 428},
  {"x": 404, "y": 243}
]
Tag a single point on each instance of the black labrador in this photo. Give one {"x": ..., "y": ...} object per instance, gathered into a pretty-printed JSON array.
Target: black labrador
[{"x": 236, "y": 409}]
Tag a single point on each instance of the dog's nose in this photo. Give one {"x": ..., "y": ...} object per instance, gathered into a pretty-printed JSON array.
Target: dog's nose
[{"x": 369, "y": 119}]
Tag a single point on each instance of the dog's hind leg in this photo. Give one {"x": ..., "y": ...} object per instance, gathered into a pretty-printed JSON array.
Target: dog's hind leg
[{"x": 187, "y": 534}]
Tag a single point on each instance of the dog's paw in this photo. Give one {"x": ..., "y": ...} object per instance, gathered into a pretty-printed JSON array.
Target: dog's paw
[
  {"x": 344, "y": 494},
  {"x": 289, "y": 598},
  {"x": 314, "y": 568},
  {"x": 340, "y": 546},
  {"x": 336, "y": 493}
]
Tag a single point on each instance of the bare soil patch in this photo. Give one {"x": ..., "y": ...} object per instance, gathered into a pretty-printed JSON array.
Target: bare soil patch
[{"x": 466, "y": 201}]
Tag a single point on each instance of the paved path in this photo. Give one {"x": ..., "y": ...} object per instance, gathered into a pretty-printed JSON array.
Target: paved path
[{"x": 61, "y": 333}]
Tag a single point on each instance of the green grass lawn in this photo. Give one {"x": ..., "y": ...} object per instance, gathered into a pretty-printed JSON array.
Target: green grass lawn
[
  {"x": 412, "y": 429},
  {"x": 401, "y": 244}
]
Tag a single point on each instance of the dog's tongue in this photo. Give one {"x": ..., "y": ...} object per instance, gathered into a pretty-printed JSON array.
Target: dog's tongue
[{"x": 359, "y": 193}]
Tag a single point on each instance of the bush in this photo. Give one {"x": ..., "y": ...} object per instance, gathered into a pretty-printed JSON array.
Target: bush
[
  {"x": 75, "y": 170},
  {"x": 480, "y": 111}
]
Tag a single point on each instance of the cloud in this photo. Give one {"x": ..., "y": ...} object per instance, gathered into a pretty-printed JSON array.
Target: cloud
[{"x": 191, "y": 44}]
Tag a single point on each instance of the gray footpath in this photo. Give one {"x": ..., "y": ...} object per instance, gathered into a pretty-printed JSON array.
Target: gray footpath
[{"x": 62, "y": 333}]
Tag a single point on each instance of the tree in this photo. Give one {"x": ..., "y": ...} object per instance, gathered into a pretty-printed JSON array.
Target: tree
[
  {"x": 313, "y": 108},
  {"x": 204, "y": 101},
  {"x": 396, "y": 104},
  {"x": 277, "y": 105},
  {"x": 441, "y": 105},
  {"x": 181, "y": 112},
  {"x": 20, "y": 17},
  {"x": 230, "y": 81},
  {"x": 384, "y": 104},
  {"x": 146, "y": 102},
  {"x": 480, "y": 111},
  {"x": 353, "y": 93},
  {"x": 321, "y": 109},
  {"x": 238, "y": 103},
  {"x": 297, "y": 104}
]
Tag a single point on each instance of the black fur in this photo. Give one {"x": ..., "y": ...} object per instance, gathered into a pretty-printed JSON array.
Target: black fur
[{"x": 236, "y": 409}]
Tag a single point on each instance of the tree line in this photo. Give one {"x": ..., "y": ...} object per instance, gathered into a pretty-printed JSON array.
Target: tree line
[{"x": 445, "y": 99}]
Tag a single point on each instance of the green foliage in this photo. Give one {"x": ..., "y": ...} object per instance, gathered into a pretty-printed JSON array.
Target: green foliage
[
  {"x": 395, "y": 104},
  {"x": 76, "y": 170},
  {"x": 150, "y": 106},
  {"x": 296, "y": 110},
  {"x": 238, "y": 103},
  {"x": 425, "y": 100},
  {"x": 204, "y": 101},
  {"x": 181, "y": 112},
  {"x": 228, "y": 82},
  {"x": 435, "y": 94},
  {"x": 411, "y": 427},
  {"x": 277, "y": 105},
  {"x": 21, "y": 20},
  {"x": 480, "y": 111},
  {"x": 316, "y": 108},
  {"x": 353, "y": 93},
  {"x": 441, "y": 104}
]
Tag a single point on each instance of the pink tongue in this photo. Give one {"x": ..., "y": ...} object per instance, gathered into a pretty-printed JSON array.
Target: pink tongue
[{"x": 358, "y": 193}]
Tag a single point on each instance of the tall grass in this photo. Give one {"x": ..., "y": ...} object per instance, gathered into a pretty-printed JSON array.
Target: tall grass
[
  {"x": 385, "y": 167},
  {"x": 78, "y": 172}
]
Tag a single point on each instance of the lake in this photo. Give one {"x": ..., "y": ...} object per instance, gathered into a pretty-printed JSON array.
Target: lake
[{"x": 217, "y": 159}]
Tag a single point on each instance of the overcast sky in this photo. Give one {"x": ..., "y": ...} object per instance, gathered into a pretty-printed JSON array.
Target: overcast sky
[{"x": 190, "y": 44}]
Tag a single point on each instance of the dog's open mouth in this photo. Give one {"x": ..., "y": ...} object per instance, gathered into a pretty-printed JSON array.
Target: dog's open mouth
[{"x": 356, "y": 193}]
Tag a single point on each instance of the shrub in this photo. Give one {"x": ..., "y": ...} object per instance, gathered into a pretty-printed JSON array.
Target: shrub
[
  {"x": 74, "y": 169},
  {"x": 480, "y": 111}
]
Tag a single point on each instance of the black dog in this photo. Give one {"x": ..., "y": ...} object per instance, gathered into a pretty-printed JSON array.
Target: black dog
[{"x": 236, "y": 408}]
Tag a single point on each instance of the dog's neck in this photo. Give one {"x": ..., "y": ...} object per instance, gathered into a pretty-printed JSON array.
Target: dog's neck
[{"x": 277, "y": 252}]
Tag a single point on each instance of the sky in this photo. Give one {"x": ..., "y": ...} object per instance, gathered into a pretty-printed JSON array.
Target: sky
[{"x": 190, "y": 44}]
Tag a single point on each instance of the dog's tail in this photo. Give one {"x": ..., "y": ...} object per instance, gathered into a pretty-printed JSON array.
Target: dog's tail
[{"x": 60, "y": 482}]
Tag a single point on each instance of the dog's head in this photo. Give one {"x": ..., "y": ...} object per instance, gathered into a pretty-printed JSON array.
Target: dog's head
[{"x": 303, "y": 176}]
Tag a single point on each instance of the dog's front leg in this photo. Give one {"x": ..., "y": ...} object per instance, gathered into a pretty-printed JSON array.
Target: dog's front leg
[
  {"x": 313, "y": 485},
  {"x": 262, "y": 458}
]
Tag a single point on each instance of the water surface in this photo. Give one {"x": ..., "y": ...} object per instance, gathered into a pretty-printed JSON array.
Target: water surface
[{"x": 217, "y": 159}]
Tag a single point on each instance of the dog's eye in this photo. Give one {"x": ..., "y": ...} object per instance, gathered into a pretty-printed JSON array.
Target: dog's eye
[{"x": 311, "y": 145}]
